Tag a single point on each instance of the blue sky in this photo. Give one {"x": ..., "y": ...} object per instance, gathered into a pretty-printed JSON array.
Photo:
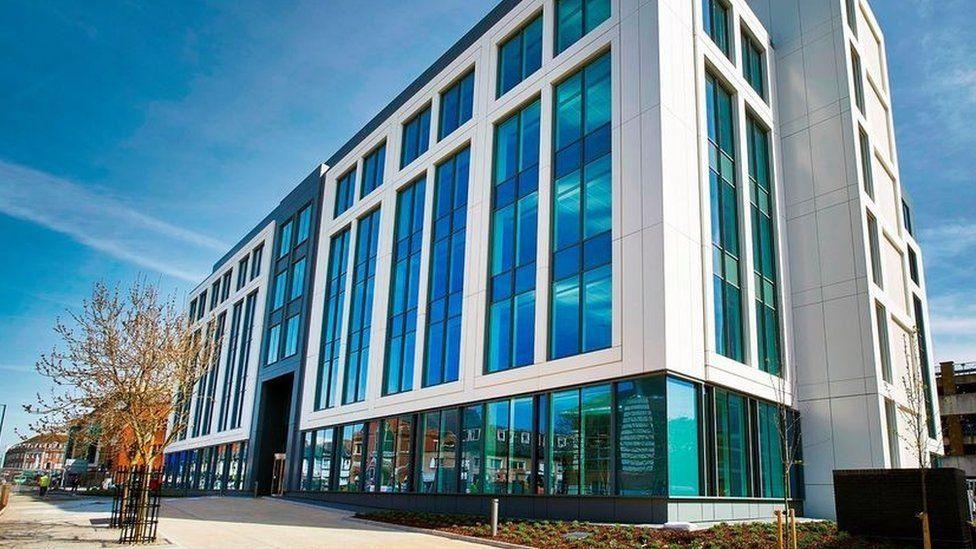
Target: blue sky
[{"x": 141, "y": 138}]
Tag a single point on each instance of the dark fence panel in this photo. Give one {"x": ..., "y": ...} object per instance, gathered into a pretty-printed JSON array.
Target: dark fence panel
[
  {"x": 135, "y": 507},
  {"x": 885, "y": 503}
]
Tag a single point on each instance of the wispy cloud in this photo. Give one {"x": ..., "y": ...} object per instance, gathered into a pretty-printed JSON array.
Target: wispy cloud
[{"x": 102, "y": 222}]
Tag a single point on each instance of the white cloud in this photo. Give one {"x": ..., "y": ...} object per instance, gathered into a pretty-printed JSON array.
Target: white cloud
[{"x": 103, "y": 222}]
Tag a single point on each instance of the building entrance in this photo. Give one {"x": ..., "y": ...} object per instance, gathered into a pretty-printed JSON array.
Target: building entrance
[{"x": 272, "y": 434}]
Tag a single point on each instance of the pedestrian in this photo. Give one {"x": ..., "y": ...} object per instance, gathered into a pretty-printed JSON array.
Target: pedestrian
[{"x": 44, "y": 483}]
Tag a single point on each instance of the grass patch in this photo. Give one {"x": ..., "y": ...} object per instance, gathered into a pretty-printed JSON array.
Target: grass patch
[{"x": 573, "y": 534}]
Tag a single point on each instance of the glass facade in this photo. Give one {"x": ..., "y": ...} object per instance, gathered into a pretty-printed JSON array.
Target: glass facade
[
  {"x": 732, "y": 445},
  {"x": 582, "y": 212},
  {"x": 233, "y": 341},
  {"x": 446, "y": 274},
  {"x": 519, "y": 56},
  {"x": 724, "y": 196},
  {"x": 291, "y": 335},
  {"x": 284, "y": 244},
  {"x": 416, "y": 137},
  {"x": 576, "y": 18},
  {"x": 512, "y": 255},
  {"x": 754, "y": 64},
  {"x": 361, "y": 308},
  {"x": 345, "y": 192},
  {"x": 715, "y": 17},
  {"x": 304, "y": 225},
  {"x": 274, "y": 343},
  {"x": 373, "y": 167},
  {"x": 335, "y": 295},
  {"x": 923, "y": 358},
  {"x": 280, "y": 287},
  {"x": 297, "y": 279},
  {"x": 645, "y": 436},
  {"x": 221, "y": 467},
  {"x": 456, "y": 107},
  {"x": 763, "y": 205},
  {"x": 401, "y": 330},
  {"x": 240, "y": 377}
]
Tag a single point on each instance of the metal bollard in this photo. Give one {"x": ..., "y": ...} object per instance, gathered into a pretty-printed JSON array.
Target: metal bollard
[{"x": 494, "y": 517}]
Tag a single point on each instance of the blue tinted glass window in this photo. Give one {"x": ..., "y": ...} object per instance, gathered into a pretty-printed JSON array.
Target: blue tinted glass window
[
  {"x": 373, "y": 166},
  {"x": 401, "y": 326},
  {"x": 285, "y": 245},
  {"x": 472, "y": 449},
  {"x": 763, "y": 206},
  {"x": 281, "y": 285},
  {"x": 684, "y": 453},
  {"x": 576, "y": 18},
  {"x": 291, "y": 335},
  {"x": 731, "y": 445},
  {"x": 446, "y": 274},
  {"x": 456, "y": 105},
  {"x": 237, "y": 406},
  {"x": 641, "y": 436},
  {"x": 345, "y": 192},
  {"x": 304, "y": 224},
  {"x": 233, "y": 340},
  {"x": 715, "y": 16},
  {"x": 335, "y": 293},
  {"x": 416, "y": 137},
  {"x": 361, "y": 308},
  {"x": 512, "y": 250},
  {"x": 274, "y": 342},
  {"x": 297, "y": 279},
  {"x": 753, "y": 64},
  {"x": 520, "y": 56},
  {"x": 724, "y": 190},
  {"x": 580, "y": 318},
  {"x": 771, "y": 459}
]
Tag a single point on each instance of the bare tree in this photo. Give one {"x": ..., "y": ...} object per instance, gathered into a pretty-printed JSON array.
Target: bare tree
[
  {"x": 125, "y": 368},
  {"x": 915, "y": 417},
  {"x": 788, "y": 429}
]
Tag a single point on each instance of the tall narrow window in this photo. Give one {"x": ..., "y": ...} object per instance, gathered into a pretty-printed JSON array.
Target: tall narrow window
[
  {"x": 304, "y": 224},
  {"x": 232, "y": 342},
  {"x": 214, "y": 294},
  {"x": 285, "y": 245},
  {"x": 683, "y": 444},
  {"x": 764, "y": 249},
  {"x": 240, "y": 385},
  {"x": 874, "y": 248},
  {"x": 913, "y": 265},
  {"x": 256, "y": 261},
  {"x": 430, "y": 442},
  {"x": 884, "y": 343},
  {"x": 280, "y": 287},
  {"x": 580, "y": 435},
  {"x": 512, "y": 255},
  {"x": 416, "y": 137},
  {"x": 923, "y": 358},
  {"x": 580, "y": 314},
  {"x": 335, "y": 294},
  {"x": 519, "y": 56},
  {"x": 851, "y": 12},
  {"x": 891, "y": 421},
  {"x": 472, "y": 449},
  {"x": 297, "y": 279},
  {"x": 218, "y": 335},
  {"x": 361, "y": 308},
  {"x": 395, "y": 454},
  {"x": 446, "y": 278},
  {"x": 456, "y": 105},
  {"x": 724, "y": 196},
  {"x": 754, "y": 64},
  {"x": 858, "y": 77},
  {"x": 345, "y": 192},
  {"x": 642, "y": 434},
  {"x": 866, "y": 175},
  {"x": 771, "y": 462},
  {"x": 401, "y": 328},
  {"x": 715, "y": 15},
  {"x": 242, "y": 268},
  {"x": 274, "y": 343},
  {"x": 906, "y": 215},
  {"x": 576, "y": 18},
  {"x": 373, "y": 166},
  {"x": 731, "y": 444},
  {"x": 497, "y": 441},
  {"x": 350, "y": 457},
  {"x": 291, "y": 335},
  {"x": 225, "y": 286}
]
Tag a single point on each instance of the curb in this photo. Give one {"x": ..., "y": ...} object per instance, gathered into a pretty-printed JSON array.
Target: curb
[{"x": 442, "y": 534}]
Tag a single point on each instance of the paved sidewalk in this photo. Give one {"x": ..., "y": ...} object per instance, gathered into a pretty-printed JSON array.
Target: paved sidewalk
[
  {"x": 59, "y": 520},
  {"x": 63, "y": 520}
]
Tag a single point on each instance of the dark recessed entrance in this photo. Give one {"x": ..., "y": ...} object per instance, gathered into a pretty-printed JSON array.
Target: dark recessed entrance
[{"x": 272, "y": 429}]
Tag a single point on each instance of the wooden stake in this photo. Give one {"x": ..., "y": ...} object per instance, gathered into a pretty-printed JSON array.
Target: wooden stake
[
  {"x": 779, "y": 529},
  {"x": 793, "y": 526},
  {"x": 926, "y": 536}
]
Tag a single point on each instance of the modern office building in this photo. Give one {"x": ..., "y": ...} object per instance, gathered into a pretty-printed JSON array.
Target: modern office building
[
  {"x": 595, "y": 261},
  {"x": 957, "y": 401}
]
